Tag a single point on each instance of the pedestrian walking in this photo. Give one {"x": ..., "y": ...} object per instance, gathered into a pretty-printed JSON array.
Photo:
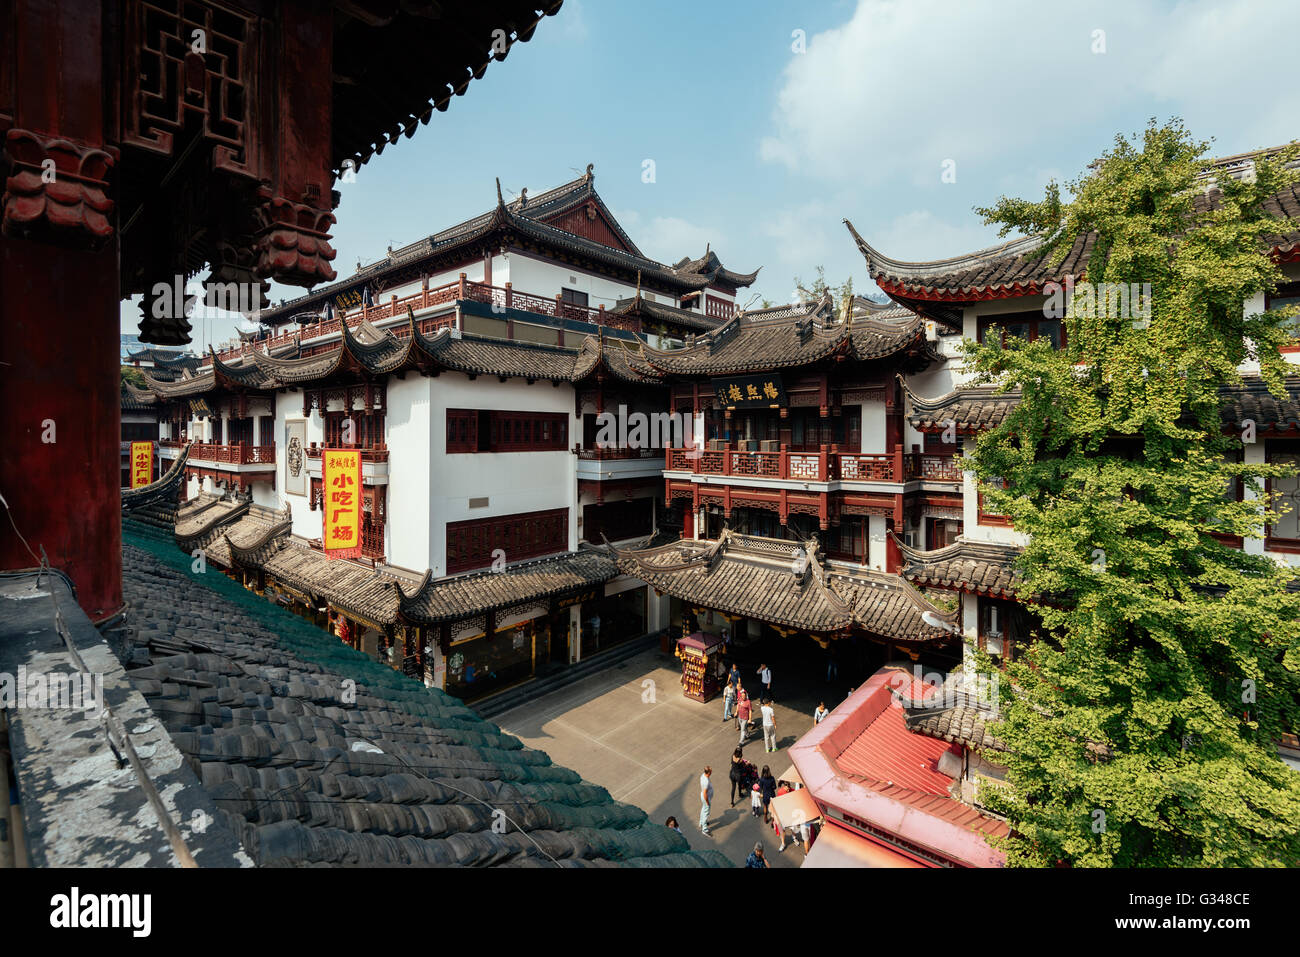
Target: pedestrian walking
[
  {"x": 737, "y": 774},
  {"x": 820, "y": 714},
  {"x": 765, "y": 679},
  {"x": 767, "y": 788},
  {"x": 706, "y": 798},
  {"x": 832, "y": 666},
  {"x": 733, "y": 678},
  {"x": 672, "y": 823},
  {"x": 744, "y": 711},
  {"x": 756, "y": 858},
  {"x": 756, "y": 799},
  {"x": 728, "y": 699},
  {"x": 769, "y": 726}
]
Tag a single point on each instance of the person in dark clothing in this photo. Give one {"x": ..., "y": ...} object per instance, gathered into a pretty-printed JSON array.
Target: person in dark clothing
[
  {"x": 767, "y": 787},
  {"x": 756, "y": 858},
  {"x": 737, "y": 774}
]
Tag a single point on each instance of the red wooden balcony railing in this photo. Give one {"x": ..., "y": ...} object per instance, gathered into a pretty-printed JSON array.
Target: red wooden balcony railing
[
  {"x": 372, "y": 541},
  {"x": 828, "y": 464},
  {"x": 501, "y": 296},
  {"x": 233, "y": 454}
]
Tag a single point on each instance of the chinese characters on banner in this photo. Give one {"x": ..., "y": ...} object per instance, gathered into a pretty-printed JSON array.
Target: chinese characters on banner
[
  {"x": 755, "y": 391},
  {"x": 341, "y": 491},
  {"x": 141, "y": 464}
]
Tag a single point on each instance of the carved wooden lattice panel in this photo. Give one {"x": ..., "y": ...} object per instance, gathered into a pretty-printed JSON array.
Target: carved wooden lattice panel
[{"x": 194, "y": 58}]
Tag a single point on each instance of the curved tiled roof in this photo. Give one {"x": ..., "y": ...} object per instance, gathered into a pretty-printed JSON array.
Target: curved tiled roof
[
  {"x": 763, "y": 578},
  {"x": 480, "y": 355},
  {"x": 976, "y": 408},
  {"x": 316, "y": 754},
  {"x": 662, "y": 312},
  {"x": 525, "y": 221},
  {"x": 135, "y": 400},
  {"x": 784, "y": 337},
  {"x": 968, "y": 410},
  {"x": 710, "y": 265},
  {"x": 464, "y": 596},
  {"x": 982, "y": 568},
  {"x": 167, "y": 487}
]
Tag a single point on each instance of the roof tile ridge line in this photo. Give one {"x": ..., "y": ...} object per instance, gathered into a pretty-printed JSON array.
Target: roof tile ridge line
[
  {"x": 165, "y": 478},
  {"x": 216, "y": 520},
  {"x": 1011, "y": 247},
  {"x": 918, "y": 597},
  {"x": 834, "y": 599}
]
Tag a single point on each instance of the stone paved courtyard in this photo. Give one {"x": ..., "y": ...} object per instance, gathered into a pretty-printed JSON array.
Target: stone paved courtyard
[{"x": 650, "y": 752}]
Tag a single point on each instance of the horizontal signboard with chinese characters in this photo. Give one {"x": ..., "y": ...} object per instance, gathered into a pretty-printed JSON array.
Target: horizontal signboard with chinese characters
[
  {"x": 750, "y": 392},
  {"x": 341, "y": 491}
]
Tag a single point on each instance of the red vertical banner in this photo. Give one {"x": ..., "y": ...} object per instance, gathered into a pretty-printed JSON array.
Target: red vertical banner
[
  {"x": 141, "y": 464},
  {"x": 341, "y": 491}
]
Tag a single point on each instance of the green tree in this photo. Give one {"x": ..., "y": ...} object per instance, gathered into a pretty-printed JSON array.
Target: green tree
[
  {"x": 841, "y": 295},
  {"x": 133, "y": 375},
  {"x": 1142, "y": 720}
]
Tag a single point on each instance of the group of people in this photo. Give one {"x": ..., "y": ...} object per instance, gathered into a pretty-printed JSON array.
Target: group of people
[
  {"x": 737, "y": 706},
  {"x": 762, "y": 788}
]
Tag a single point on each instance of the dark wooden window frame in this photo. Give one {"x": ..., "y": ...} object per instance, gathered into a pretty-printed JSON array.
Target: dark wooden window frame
[{"x": 470, "y": 544}]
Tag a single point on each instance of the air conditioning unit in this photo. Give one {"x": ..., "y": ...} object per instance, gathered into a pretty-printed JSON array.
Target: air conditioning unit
[
  {"x": 717, "y": 445},
  {"x": 769, "y": 445},
  {"x": 909, "y": 539},
  {"x": 747, "y": 445}
]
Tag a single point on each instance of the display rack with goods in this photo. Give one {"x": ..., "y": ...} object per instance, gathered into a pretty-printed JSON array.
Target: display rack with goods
[{"x": 700, "y": 655}]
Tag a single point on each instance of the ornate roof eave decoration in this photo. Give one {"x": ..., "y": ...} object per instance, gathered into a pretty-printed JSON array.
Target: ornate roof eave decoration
[
  {"x": 1003, "y": 271},
  {"x": 797, "y": 597},
  {"x": 980, "y": 568},
  {"x": 454, "y": 351},
  {"x": 200, "y": 384},
  {"x": 457, "y": 597},
  {"x": 927, "y": 415},
  {"x": 384, "y": 352},
  {"x": 200, "y": 528},
  {"x": 642, "y": 308},
  {"x": 238, "y": 378},
  {"x": 165, "y": 488}
]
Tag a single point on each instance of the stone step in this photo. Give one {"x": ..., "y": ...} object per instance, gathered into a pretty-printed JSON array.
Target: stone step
[{"x": 503, "y": 701}]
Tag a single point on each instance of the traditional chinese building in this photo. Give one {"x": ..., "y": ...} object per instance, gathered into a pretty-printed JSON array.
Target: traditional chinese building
[
  {"x": 476, "y": 410},
  {"x": 142, "y": 144}
]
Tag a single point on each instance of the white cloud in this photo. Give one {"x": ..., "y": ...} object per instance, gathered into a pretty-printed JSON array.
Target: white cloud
[
  {"x": 669, "y": 238},
  {"x": 906, "y": 84}
]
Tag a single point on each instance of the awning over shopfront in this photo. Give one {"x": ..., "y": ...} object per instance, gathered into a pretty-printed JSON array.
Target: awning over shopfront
[{"x": 837, "y": 846}]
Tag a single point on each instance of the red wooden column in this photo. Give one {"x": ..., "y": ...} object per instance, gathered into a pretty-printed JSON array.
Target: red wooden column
[{"x": 59, "y": 345}]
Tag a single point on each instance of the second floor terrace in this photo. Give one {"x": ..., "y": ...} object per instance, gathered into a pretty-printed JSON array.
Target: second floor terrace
[{"x": 771, "y": 460}]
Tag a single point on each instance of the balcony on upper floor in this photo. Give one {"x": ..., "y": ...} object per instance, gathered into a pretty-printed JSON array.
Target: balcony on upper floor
[
  {"x": 437, "y": 299},
  {"x": 374, "y": 464},
  {"x": 827, "y": 464}
]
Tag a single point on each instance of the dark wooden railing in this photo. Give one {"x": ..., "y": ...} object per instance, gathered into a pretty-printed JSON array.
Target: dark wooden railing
[
  {"x": 233, "y": 454},
  {"x": 504, "y": 297},
  {"x": 825, "y": 465}
]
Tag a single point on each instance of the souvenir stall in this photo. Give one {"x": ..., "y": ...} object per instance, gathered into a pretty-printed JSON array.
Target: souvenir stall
[{"x": 701, "y": 657}]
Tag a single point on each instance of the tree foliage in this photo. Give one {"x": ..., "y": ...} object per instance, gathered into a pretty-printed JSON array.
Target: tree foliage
[{"x": 1142, "y": 721}]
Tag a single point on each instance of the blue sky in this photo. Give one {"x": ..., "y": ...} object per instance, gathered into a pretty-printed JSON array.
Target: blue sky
[{"x": 762, "y": 151}]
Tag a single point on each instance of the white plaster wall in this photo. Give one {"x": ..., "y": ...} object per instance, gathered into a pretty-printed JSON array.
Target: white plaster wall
[
  {"x": 873, "y": 427},
  {"x": 876, "y": 535},
  {"x": 288, "y": 405},
  {"x": 513, "y": 482},
  {"x": 546, "y": 279},
  {"x": 407, "y": 432}
]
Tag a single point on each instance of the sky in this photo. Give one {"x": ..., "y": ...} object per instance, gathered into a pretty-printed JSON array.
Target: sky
[{"x": 768, "y": 122}]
